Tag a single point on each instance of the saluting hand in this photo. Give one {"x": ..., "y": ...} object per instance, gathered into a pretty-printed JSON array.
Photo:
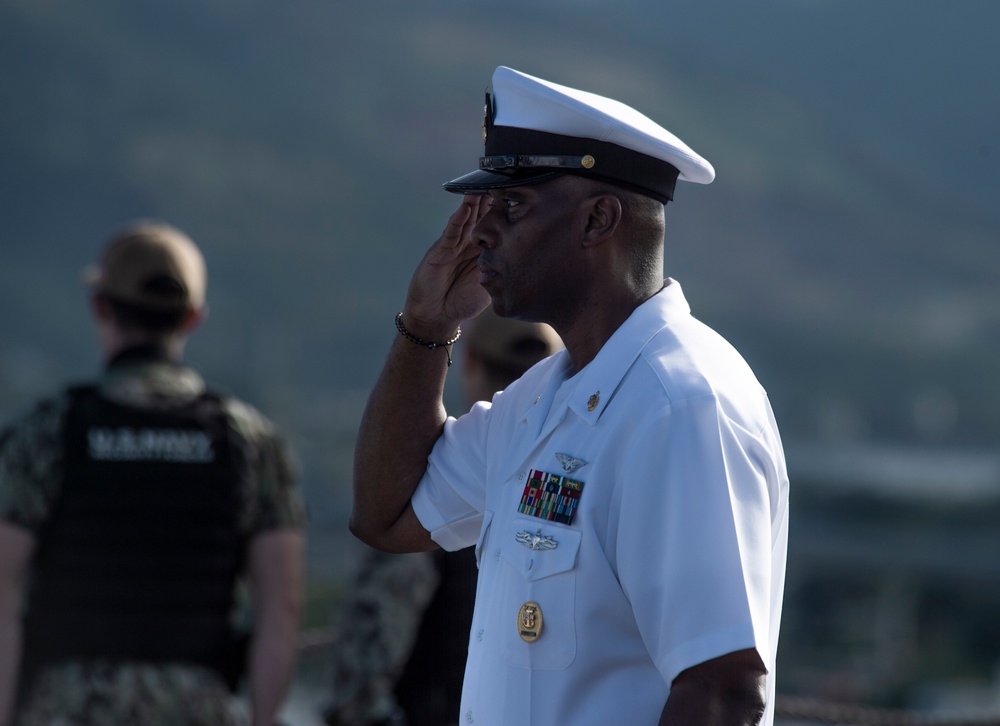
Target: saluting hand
[{"x": 445, "y": 287}]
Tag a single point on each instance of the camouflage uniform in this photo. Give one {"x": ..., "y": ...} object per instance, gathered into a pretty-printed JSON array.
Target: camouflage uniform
[
  {"x": 403, "y": 634},
  {"x": 95, "y": 692},
  {"x": 377, "y": 626}
]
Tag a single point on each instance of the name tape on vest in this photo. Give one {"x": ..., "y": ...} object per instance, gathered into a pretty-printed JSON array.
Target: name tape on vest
[{"x": 128, "y": 444}]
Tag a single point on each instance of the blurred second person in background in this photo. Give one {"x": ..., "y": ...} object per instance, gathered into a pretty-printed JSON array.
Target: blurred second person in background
[{"x": 133, "y": 510}]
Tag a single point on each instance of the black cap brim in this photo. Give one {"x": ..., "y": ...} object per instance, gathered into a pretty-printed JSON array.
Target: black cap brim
[{"x": 480, "y": 181}]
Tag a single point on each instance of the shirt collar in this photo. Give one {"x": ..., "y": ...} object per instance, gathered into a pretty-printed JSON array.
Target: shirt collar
[
  {"x": 598, "y": 382},
  {"x": 140, "y": 377},
  {"x": 145, "y": 353}
]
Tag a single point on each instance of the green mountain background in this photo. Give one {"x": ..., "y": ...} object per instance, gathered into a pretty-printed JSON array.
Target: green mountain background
[{"x": 849, "y": 246}]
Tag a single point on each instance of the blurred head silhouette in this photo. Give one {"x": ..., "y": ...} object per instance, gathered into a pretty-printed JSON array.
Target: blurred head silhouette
[{"x": 499, "y": 350}]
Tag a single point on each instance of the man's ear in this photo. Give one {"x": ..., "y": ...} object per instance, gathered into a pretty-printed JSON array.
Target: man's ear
[
  {"x": 193, "y": 318},
  {"x": 99, "y": 306},
  {"x": 604, "y": 214}
]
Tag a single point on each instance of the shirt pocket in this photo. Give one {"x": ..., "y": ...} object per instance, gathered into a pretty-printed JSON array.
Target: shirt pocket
[{"x": 535, "y": 571}]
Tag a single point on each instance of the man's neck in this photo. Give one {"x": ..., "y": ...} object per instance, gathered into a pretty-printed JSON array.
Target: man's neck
[
  {"x": 127, "y": 344},
  {"x": 591, "y": 329}
]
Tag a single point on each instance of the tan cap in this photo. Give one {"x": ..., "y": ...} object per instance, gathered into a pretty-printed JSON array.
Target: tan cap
[
  {"x": 511, "y": 344},
  {"x": 151, "y": 265}
]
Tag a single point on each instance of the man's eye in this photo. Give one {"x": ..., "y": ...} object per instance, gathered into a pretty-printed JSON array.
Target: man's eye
[{"x": 511, "y": 203}]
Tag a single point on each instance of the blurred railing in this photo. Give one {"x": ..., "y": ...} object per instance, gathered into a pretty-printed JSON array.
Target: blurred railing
[
  {"x": 794, "y": 708},
  {"x": 787, "y": 708}
]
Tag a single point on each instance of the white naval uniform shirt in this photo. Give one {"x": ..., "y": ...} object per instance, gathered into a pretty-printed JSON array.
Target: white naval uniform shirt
[{"x": 674, "y": 553}]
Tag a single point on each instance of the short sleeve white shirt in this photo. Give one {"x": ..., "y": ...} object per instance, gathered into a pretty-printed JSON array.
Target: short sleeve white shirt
[{"x": 640, "y": 506}]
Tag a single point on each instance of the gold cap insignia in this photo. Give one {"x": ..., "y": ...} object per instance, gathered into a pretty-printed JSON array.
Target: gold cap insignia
[
  {"x": 487, "y": 116},
  {"x": 588, "y": 162}
]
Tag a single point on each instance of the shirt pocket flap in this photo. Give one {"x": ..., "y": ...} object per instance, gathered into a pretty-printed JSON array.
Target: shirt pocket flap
[{"x": 537, "y": 549}]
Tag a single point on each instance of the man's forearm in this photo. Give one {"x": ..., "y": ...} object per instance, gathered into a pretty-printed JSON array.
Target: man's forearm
[
  {"x": 725, "y": 691},
  {"x": 10, "y": 654},
  {"x": 276, "y": 567},
  {"x": 16, "y": 547},
  {"x": 404, "y": 417},
  {"x": 273, "y": 656},
  {"x": 405, "y": 413}
]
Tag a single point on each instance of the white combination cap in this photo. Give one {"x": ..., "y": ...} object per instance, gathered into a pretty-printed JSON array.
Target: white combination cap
[{"x": 535, "y": 130}]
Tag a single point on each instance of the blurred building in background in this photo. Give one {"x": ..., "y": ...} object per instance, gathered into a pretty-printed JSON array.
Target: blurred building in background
[{"x": 893, "y": 587}]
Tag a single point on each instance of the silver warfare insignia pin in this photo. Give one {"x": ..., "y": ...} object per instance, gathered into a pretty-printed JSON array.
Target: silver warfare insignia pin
[
  {"x": 536, "y": 541},
  {"x": 569, "y": 463}
]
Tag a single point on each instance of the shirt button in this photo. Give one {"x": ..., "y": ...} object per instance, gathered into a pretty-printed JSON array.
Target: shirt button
[
  {"x": 496, "y": 555},
  {"x": 479, "y": 635},
  {"x": 468, "y": 717},
  {"x": 520, "y": 476}
]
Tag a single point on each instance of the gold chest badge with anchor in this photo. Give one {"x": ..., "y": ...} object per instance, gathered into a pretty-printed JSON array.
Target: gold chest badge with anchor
[{"x": 529, "y": 622}]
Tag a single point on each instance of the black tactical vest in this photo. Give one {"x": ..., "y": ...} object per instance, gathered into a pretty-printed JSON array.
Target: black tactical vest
[{"x": 139, "y": 557}]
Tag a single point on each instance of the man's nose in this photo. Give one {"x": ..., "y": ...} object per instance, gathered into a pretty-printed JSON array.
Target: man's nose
[{"x": 483, "y": 233}]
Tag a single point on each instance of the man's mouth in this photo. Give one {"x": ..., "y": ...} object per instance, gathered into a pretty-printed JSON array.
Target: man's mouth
[{"x": 486, "y": 273}]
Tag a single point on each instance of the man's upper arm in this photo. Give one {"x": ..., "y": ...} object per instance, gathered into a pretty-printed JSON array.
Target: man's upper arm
[
  {"x": 31, "y": 455},
  {"x": 16, "y": 547},
  {"x": 684, "y": 535},
  {"x": 273, "y": 468},
  {"x": 408, "y": 534},
  {"x": 451, "y": 497},
  {"x": 275, "y": 566}
]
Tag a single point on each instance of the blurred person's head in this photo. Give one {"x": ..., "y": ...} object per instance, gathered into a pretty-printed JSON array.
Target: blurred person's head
[
  {"x": 497, "y": 351},
  {"x": 148, "y": 288}
]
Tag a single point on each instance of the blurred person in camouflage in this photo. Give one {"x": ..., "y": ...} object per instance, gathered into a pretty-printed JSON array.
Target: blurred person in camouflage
[
  {"x": 403, "y": 629},
  {"x": 134, "y": 512}
]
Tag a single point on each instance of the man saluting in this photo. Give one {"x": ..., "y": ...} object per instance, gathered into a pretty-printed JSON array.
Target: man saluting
[{"x": 627, "y": 497}]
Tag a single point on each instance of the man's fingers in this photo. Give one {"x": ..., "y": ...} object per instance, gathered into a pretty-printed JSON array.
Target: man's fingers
[
  {"x": 461, "y": 221},
  {"x": 481, "y": 205}
]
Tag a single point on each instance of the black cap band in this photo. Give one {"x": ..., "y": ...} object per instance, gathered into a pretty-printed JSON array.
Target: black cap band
[{"x": 516, "y": 156}]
